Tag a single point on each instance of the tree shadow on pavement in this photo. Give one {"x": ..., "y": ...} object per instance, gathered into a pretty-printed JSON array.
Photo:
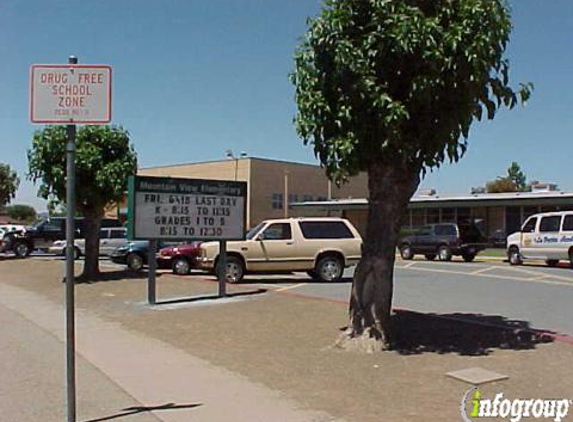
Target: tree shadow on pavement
[
  {"x": 211, "y": 297},
  {"x": 128, "y": 411},
  {"x": 465, "y": 334}
]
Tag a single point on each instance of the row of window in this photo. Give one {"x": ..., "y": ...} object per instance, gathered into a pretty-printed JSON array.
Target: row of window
[
  {"x": 310, "y": 230},
  {"x": 277, "y": 201},
  {"x": 549, "y": 224}
]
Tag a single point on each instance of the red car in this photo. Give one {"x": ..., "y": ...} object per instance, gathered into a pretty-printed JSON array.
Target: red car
[{"x": 181, "y": 258}]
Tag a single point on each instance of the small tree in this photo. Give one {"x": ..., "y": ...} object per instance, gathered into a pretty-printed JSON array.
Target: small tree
[
  {"x": 104, "y": 160},
  {"x": 22, "y": 213},
  {"x": 9, "y": 183},
  {"x": 518, "y": 178},
  {"x": 501, "y": 185},
  {"x": 392, "y": 87}
]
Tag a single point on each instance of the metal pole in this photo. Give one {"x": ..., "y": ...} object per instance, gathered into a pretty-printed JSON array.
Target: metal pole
[
  {"x": 286, "y": 199},
  {"x": 70, "y": 234},
  {"x": 152, "y": 264},
  {"x": 222, "y": 268}
]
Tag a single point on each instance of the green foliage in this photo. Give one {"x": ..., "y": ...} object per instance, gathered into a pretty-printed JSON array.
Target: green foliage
[
  {"x": 19, "y": 212},
  {"x": 9, "y": 183},
  {"x": 400, "y": 81},
  {"x": 515, "y": 174},
  {"x": 104, "y": 160}
]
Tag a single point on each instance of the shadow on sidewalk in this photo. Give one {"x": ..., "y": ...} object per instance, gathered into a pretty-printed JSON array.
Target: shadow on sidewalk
[
  {"x": 105, "y": 276},
  {"x": 142, "y": 409},
  {"x": 210, "y": 297},
  {"x": 465, "y": 334}
]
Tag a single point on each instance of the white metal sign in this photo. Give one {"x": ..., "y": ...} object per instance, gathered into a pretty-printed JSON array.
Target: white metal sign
[
  {"x": 186, "y": 209},
  {"x": 70, "y": 94}
]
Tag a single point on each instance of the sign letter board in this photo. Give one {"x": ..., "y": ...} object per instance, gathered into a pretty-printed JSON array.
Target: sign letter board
[{"x": 186, "y": 209}]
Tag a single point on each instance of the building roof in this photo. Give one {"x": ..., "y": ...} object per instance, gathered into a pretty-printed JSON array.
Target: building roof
[
  {"x": 222, "y": 160},
  {"x": 439, "y": 201}
]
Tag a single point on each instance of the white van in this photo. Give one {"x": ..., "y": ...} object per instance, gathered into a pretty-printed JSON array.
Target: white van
[{"x": 546, "y": 236}]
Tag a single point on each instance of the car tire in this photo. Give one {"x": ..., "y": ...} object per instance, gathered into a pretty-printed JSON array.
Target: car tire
[
  {"x": 552, "y": 262},
  {"x": 22, "y": 249},
  {"x": 235, "y": 271},
  {"x": 329, "y": 268},
  {"x": 469, "y": 257},
  {"x": 430, "y": 256},
  {"x": 513, "y": 256},
  {"x": 134, "y": 262},
  {"x": 571, "y": 257},
  {"x": 444, "y": 253},
  {"x": 181, "y": 266},
  {"x": 406, "y": 252}
]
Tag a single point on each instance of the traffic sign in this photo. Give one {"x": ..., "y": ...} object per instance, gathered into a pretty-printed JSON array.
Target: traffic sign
[{"x": 70, "y": 94}]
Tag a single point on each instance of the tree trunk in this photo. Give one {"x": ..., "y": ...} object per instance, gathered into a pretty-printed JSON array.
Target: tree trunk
[
  {"x": 91, "y": 231},
  {"x": 391, "y": 187}
]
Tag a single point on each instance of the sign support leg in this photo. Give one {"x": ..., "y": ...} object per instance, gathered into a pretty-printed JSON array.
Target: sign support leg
[
  {"x": 152, "y": 264},
  {"x": 222, "y": 268},
  {"x": 70, "y": 299}
]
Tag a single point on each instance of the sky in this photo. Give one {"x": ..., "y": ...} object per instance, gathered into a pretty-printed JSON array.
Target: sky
[{"x": 194, "y": 78}]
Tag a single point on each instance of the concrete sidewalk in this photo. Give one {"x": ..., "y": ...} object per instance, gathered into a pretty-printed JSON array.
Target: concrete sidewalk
[{"x": 152, "y": 372}]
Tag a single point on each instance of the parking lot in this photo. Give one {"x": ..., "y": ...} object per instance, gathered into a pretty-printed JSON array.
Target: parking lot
[{"x": 488, "y": 291}]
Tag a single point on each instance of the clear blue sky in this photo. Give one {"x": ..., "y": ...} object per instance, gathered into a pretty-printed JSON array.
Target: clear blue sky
[{"x": 195, "y": 78}]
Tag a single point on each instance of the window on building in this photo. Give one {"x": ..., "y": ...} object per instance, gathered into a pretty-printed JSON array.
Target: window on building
[
  {"x": 321, "y": 198},
  {"x": 278, "y": 231},
  {"x": 529, "y": 227},
  {"x": 448, "y": 215},
  {"x": 325, "y": 230},
  {"x": 307, "y": 198},
  {"x": 277, "y": 201},
  {"x": 464, "y": 215},
  {"x": 293, "y": 197},
  {"x": 527, "y": 211},
  {"x": 550, "y": 224},
  {"x": 418, "y": 217},
  {"x": 568, "y": 223},
  {"x": 433, "y": 215}
]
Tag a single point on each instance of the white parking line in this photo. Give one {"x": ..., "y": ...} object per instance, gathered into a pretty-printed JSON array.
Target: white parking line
[
  {"x": 483, "y": 270},
  {"x": 284, "y": 289},
  {"x": 540, "y": 274}
]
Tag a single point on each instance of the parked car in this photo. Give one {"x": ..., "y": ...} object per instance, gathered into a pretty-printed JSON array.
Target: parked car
[
  {"x": 545, "y": 236},
  {"x": 323, "y": 247},
  {"x": 444, "y": 241},
  {"x": 9, "y": 228},
  {"x": 109, "y": 239},
  {"x": 180, "y": 258},
  {"x": 44, "y": 234},
  {"x": 134, "y": 254}
]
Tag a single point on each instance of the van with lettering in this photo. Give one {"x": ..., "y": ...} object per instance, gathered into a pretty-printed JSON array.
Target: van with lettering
[
  {"x": 320, "y": 246},
  {"x": 546, "y": 236}
]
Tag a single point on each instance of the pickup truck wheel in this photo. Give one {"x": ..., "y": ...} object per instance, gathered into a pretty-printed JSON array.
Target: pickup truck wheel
[
  {"x": 513, "y": 256},
  {"x": 444, "y": 253},
  {"x": 469, "y": 257},
  {"x": 181, "y": 266},
  {"x": 22, "y": 249},
  {"x": 134, "y": 262},
  {"x": 406, "y": 252},
  {"x": 430, "y": 256},
  {"x": 235, "y": 270},
  {"x": 552, "y": 262},
  {"x": 329, "y": 269}
]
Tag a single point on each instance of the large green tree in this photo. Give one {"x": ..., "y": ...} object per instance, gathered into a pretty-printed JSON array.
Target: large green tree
[
  {"x": 104, "y": 160},
  {"x": 391, "y": 88},
  {"x": 9, "y": 183}
]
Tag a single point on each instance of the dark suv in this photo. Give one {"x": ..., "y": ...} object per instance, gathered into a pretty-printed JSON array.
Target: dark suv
[{"x": 443, "y": 241}]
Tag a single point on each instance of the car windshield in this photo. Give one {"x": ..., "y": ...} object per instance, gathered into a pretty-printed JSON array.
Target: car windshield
[{"x": 253, "y": 232}]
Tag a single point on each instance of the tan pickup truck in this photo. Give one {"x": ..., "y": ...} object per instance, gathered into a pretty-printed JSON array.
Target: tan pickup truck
[{"x": 322, "y": 247}]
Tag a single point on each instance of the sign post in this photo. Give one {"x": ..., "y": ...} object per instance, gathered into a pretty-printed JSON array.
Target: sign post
[
  {"x": 151, "y": 281},
  {"x": 68, "y": 95},
  {"x": 174, "y": 209}
]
